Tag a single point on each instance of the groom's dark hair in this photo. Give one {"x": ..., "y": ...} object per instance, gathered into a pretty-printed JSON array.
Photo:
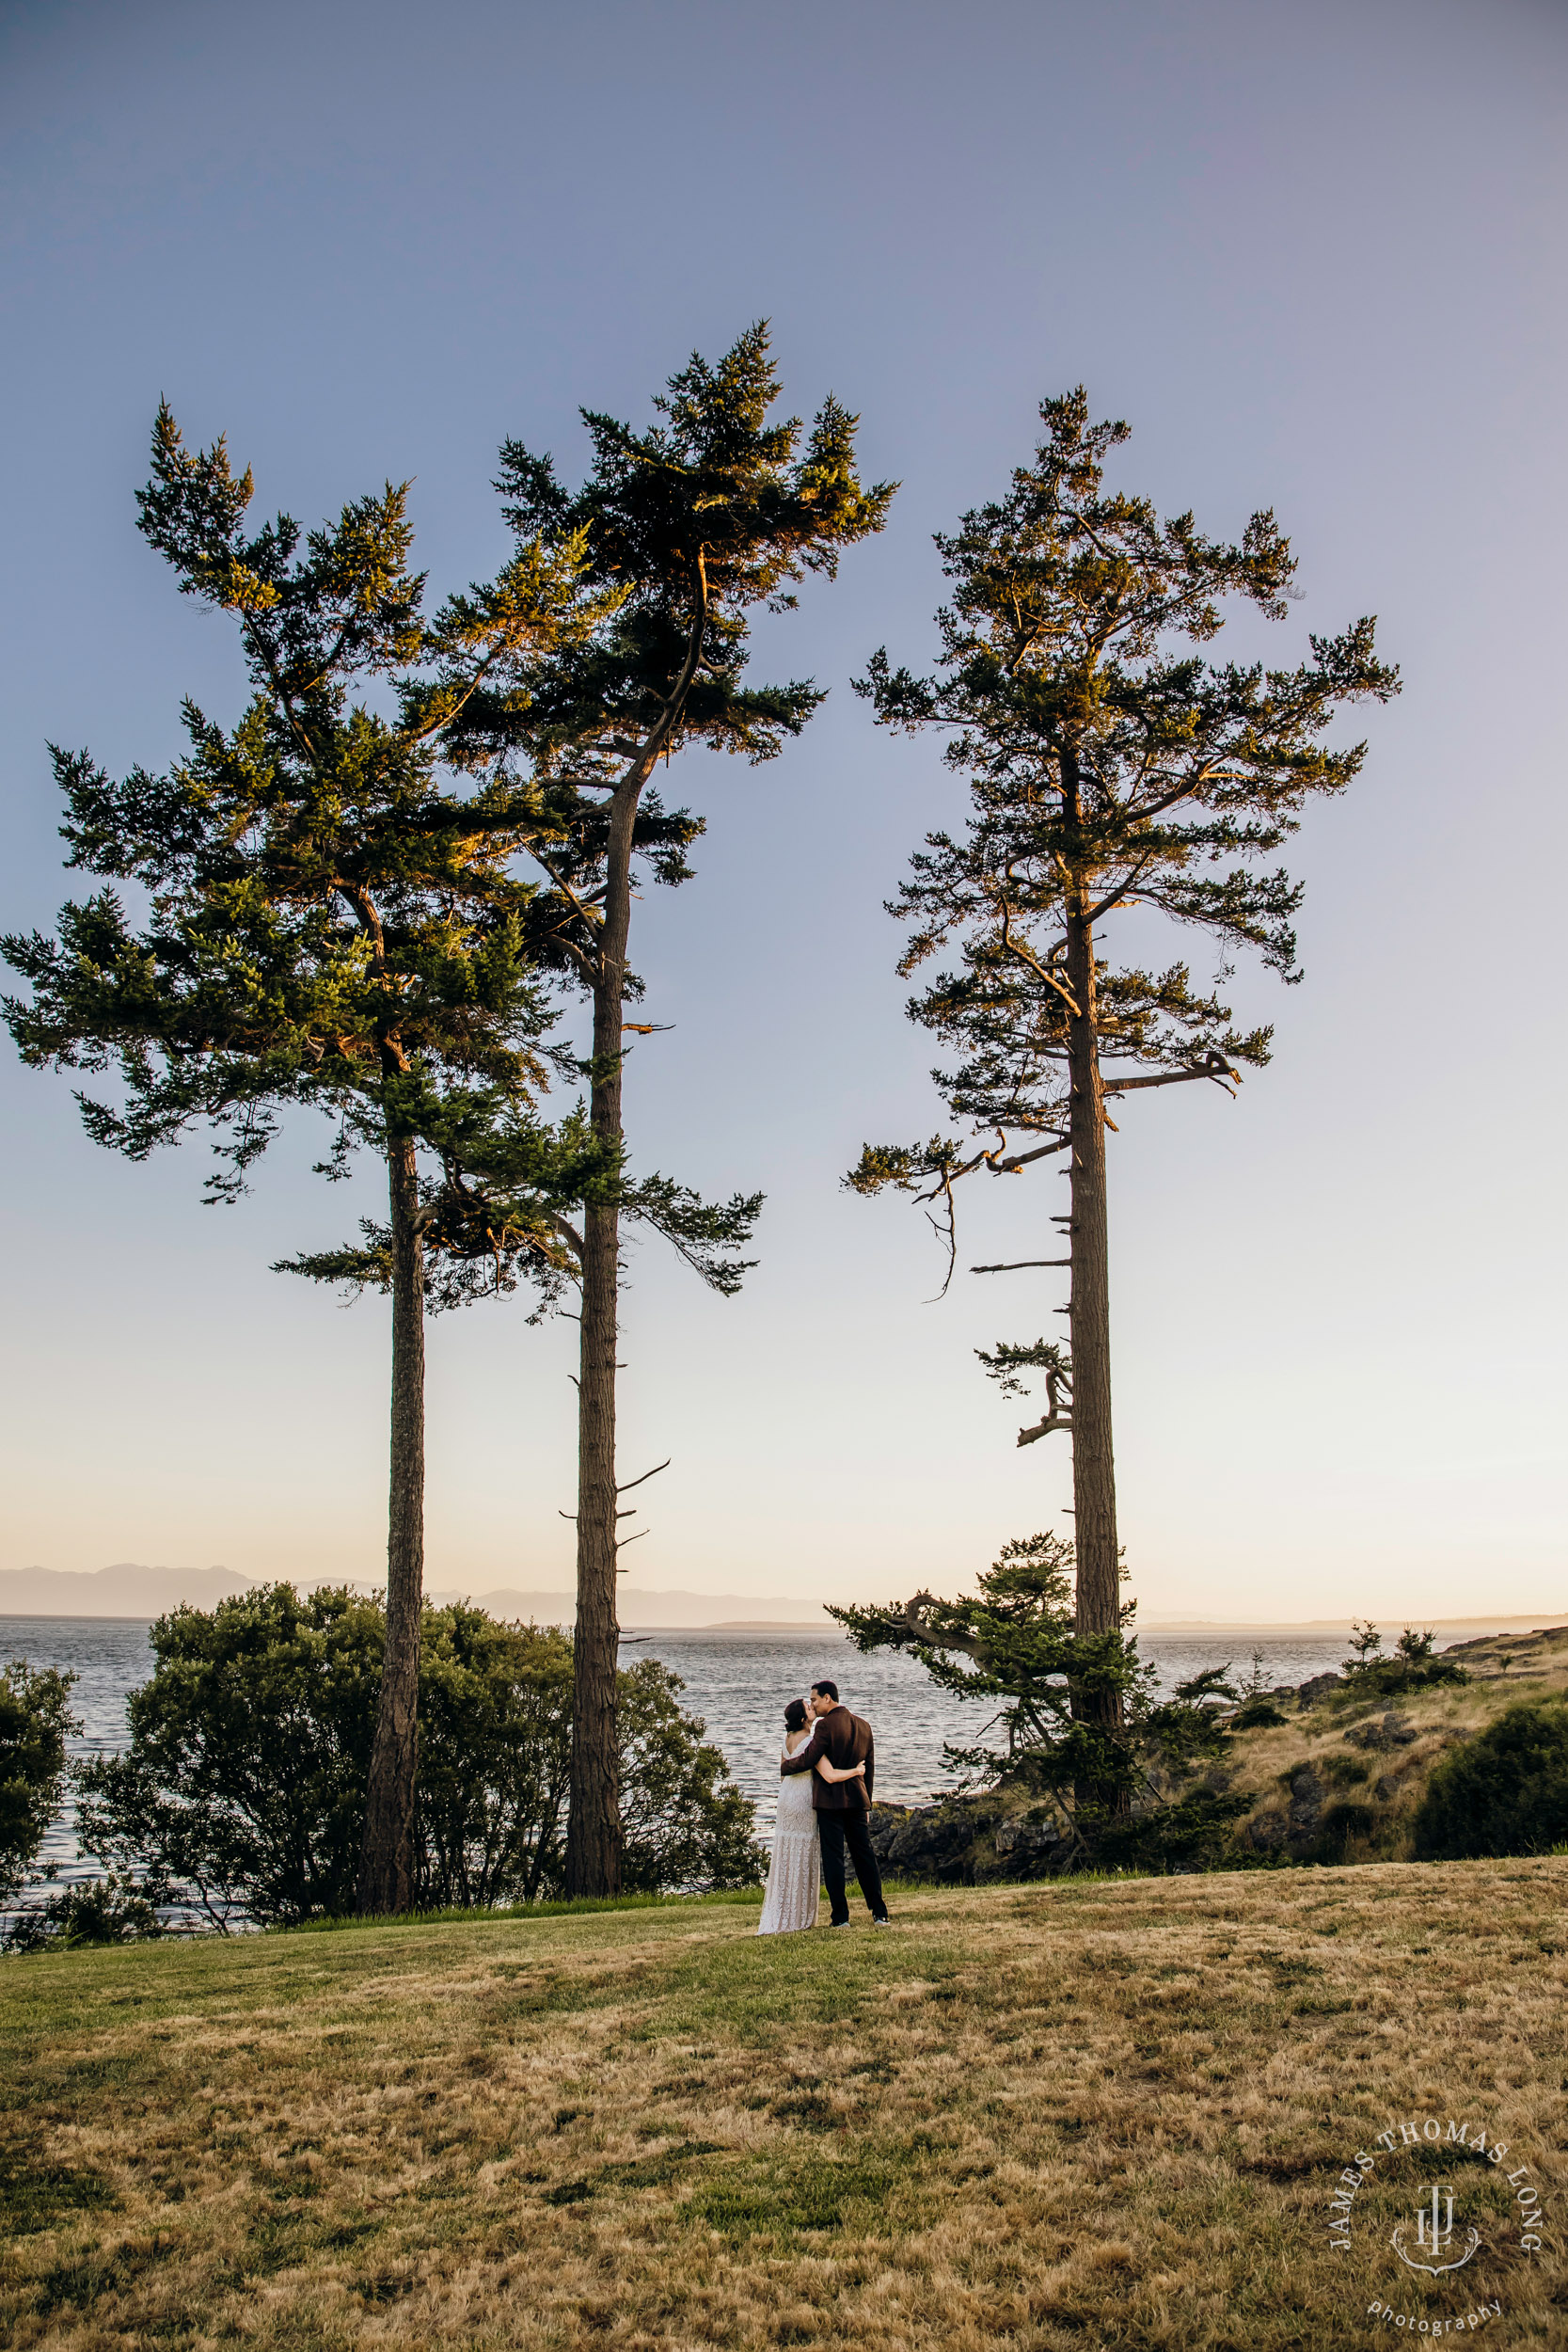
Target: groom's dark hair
[{"x": 829, "y": 1690}]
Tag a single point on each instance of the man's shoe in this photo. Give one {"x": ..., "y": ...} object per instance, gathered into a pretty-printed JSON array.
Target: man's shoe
[
  {"x": 838, "y": 1923},
  {"x": 881, "y": 1920}
]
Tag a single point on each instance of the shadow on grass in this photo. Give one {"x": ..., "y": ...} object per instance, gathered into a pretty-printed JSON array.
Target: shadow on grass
[
  {"x": 519, "y": 1914},
  {"x": 589, "y": 1906}
]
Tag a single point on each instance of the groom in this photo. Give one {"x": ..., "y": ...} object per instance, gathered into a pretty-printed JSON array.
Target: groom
[{"x": 842, "y": 1807}]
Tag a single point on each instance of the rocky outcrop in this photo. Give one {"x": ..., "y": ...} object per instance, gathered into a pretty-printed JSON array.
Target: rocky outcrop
[
  {"x": 1307, "y": 1795},
  {"x": 926, "y": 1841},
  {"x": 1315, "y": 1821},
  {"x": 1030, "y": 1848},
  {"x": 1390, "y": 1730},
  {"x": 963, "y": 1841}
]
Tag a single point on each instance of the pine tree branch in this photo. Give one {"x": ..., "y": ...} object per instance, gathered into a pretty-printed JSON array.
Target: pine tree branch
[
  {"x": 1054, "y": 1419},
  {"x": 1022, "y": 1159},
  {"x": 1016, "y": 1265},
  {"x": 1024, "y": 956},
  {"x": 1117, "y": 895},
  {"x": 1216, "y": 1067}
]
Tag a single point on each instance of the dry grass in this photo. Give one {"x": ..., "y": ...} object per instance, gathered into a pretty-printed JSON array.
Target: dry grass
[{"x": 1061, "y": 2115}]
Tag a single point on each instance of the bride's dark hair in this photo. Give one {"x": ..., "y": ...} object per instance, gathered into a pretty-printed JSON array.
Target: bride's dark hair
[{"x": 795, "y": 1715}]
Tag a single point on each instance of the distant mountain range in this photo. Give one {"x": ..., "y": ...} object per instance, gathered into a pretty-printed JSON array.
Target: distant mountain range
[
  {"x": 122, "y": 1591},
  {"x": 127, "y": 1590}
]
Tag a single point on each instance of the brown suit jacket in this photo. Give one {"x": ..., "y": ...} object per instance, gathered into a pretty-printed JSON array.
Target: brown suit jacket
[{"x": 845, "y": 1739}]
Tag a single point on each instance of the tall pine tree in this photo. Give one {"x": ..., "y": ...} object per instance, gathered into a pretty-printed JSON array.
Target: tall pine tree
[
  {"x": 329, "y": 922},
  {"x": 692, "y": 524},
  {"x": 1110, "y": 768}
]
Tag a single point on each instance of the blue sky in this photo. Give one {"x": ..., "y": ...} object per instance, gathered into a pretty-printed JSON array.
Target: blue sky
[{"x": 1315, "y": 257}]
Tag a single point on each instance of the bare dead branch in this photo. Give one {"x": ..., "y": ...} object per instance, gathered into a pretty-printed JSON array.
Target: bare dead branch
[
  {"x": 1022, "y": 1159},
  {"x": 630, "y": 1482},
  {"x": 1222, "y": 1073},
  {"x": 1016, "y": 1265}
]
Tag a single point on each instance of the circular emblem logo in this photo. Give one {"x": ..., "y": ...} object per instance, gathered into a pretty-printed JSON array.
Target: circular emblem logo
[{"x": 1438, "y": 2217}]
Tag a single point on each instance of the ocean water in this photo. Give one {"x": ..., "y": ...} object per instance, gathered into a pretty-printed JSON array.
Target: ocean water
[{"x": 738, "y": 1683}]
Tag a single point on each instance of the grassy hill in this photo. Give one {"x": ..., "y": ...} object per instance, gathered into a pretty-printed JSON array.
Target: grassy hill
[
  {"x": 1342, "y": 1779},
  {"x": 1058, "y": 2115}
]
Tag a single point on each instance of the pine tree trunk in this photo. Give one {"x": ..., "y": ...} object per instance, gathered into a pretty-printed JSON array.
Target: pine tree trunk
[
  {"x": 593, "y": 1818},
  {"x": 1094, "y": 1474},
  {"x": 386, "y": 1862}
]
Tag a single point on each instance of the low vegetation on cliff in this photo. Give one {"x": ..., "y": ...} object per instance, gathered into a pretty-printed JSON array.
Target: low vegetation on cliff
[{"x": 1400, "y": 1758}]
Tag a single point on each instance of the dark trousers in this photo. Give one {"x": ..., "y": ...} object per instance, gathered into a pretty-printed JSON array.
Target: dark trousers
[{"x": 839, "y": 1830}]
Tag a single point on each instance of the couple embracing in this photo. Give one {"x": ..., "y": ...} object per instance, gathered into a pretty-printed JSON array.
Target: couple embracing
[{"x": 827, "y": 1770}]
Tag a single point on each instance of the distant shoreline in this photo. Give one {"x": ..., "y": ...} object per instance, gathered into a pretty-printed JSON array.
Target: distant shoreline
[{"x": 775, "y": 1630}]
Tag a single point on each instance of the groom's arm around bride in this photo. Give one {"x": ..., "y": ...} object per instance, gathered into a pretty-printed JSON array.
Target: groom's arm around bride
[{"x": 844, "y": 1741}]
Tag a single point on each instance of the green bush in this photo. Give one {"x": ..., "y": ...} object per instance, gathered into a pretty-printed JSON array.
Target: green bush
[
  {"x": 243, "y": 1789},
  {"x": 1503, "y": 1793},
  {"x": 1257, "y": 1712},
  {"x": 1342, "y": 1826},
  {"x": 112, "y": 1910},
  {"x": 34, "y": 1721}
]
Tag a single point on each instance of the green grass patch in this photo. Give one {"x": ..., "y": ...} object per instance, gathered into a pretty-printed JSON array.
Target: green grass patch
[
  {"x": 34, "y": 2196},
  {"x": 784, "y": 2197}
]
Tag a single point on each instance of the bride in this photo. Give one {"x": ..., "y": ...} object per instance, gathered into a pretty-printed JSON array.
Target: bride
[{"x": 795, "y": 1873}]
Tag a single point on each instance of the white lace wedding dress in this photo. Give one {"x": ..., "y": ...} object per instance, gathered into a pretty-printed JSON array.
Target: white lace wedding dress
[{"x": 795, "y": 1873}]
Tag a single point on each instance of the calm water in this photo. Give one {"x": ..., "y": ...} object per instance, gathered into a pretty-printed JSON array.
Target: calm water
[{"x": 738, "y": 1683}]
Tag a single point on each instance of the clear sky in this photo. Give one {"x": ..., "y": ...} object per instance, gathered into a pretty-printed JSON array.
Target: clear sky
[{"x": 1315, "y": 256}]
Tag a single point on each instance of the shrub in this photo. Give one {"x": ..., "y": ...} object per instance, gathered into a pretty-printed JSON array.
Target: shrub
[
  {"x": 1503, "y": 1793},
  {"x": 1412, "y": 1667},
  {"x": 1257, "y": 1710},
  {"x": 112, "y": 1910},
  {"x": 244, "y": 1784},
  {"x": 495, "y": 1759},
  {"x": 1254, "y": 1714},
  {"x": 35, "y": 1720}
]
